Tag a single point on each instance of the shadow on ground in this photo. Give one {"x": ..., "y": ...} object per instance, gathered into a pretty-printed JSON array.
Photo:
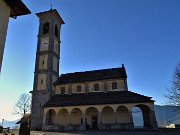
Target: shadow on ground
[{"x": 95, "y": 132}]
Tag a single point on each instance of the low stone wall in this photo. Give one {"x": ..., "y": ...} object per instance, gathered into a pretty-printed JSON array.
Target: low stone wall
[
  {"x": 62, "y": 127},
  {"x": 122, "y": 126},
  {"x": 73, "y": 127}
]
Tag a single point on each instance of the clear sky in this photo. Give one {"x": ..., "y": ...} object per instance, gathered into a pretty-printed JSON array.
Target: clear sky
[{"x": 97, "y": 34}]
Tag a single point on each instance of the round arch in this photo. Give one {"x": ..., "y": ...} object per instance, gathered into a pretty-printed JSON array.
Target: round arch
[
  {"x": 123, "y": 114},
  {"x": 51, "y": 117},
  {"x": 63, "y": 117},
  {"x": 76, "y": 116},
  {"x": 142, "y": 113},
  {"x": 92, "y": 117},
  {"x": 108, "y": 116}
]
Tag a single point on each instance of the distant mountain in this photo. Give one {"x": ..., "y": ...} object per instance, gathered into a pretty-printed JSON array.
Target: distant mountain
[
  {"x": 167, "y": 114},
  {"x": 164, "y": 115},
  {"x": 11, "y": 124}
]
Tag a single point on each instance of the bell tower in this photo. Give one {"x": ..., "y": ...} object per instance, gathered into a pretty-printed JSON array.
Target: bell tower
[{"x": 47, "y": 63}]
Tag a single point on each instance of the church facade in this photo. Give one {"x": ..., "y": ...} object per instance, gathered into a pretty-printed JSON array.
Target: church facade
[{"x": 97, "y": 99}]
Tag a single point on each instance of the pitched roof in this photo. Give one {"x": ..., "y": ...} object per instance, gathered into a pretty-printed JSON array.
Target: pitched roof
[
  {"x": 112, "y": 73},
  {"x": 25, "y": 118},
  {"x": 51, "y": 11},
  {"x": 95, "y": 98}
]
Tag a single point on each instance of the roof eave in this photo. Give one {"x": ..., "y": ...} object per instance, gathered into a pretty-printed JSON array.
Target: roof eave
[
  {"x": 59, "y": 83},
  {"x": 53, "y": 10},
  {"x": 17, "y": 7}
]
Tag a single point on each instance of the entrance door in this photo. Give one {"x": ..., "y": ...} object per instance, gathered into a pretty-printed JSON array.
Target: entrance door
[{"x": 94, "y": 123}]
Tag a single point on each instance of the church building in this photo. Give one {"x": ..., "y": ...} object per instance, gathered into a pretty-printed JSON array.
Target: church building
[{"x": 97, "y": 99}]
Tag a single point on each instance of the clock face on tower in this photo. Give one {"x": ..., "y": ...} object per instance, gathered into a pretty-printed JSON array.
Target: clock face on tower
[{"x": 44, "y": 44}]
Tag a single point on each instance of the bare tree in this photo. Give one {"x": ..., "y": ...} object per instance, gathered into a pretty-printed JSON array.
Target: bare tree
[
  {"x": 173, "y": 95},
  {"x": 23, "y": 105}
]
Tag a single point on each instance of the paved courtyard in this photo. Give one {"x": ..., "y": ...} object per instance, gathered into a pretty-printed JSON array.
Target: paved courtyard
[{"x": 93, "y": 132}]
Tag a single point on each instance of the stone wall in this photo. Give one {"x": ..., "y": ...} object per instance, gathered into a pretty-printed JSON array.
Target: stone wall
[{"x": 4, "y": 17}]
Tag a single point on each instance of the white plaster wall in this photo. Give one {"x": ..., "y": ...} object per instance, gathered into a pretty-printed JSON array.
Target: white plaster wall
[
  {"x": 91, "y": 86},
  {"x": 58, "y": 89},
  {"x": 74, "y": 87},
  {"x": 120, "y": 85}
]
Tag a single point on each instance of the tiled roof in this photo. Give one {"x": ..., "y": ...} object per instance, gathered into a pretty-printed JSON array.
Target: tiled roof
[
  {"x": 17, "y": 8},
  {"x": 96, "y": 98},
  {"x": 112, "y": 73},
  {"x": 51, "y": 11}
]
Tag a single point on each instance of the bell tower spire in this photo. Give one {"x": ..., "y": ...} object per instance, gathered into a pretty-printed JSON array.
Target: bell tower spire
[{"x": 47, "y": 63}]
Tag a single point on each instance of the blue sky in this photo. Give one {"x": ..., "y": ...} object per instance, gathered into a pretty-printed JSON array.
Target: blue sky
[{"x": 97, "y": 34}]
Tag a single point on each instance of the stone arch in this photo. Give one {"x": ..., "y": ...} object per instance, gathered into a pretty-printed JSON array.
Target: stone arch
[
  {"x": 56, "y": 30},
  {"x": 108, "y": 116},
  {"x": 46, "y": 28},
  {"x": 92, "y": 117},
  {"x": 76, "y": 115},
  {"x": 122, "y": 114},
  {"x": 51, "y": 118},
  {"x": 145, "y": 112},
  {"x": 63, "y": 117}
]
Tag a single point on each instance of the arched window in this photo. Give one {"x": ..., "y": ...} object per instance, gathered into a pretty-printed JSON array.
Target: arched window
[
  {"x": 46, "y": 28},
  {"x": 56, "y": 30}
]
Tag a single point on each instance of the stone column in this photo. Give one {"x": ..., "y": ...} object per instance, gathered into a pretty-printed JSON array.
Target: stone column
[
  {"x": 146, "y": 118},
  {"x": 44, "y": 118},
  {"x": 69, "y": 123},
  {"x": 115, "y": 115},
  {"x": 44, "y": 121},
  {"x": 100, "y": 120},
  {"x": 131, "y": 120},
  {"x": 69, "y": 114},
  {"x": 56, "y": 123},
  {"x": 153, "y": 120},
  {"x": 115, "y": 123},
  {"x": 57, "y": 120},
  {"x": 84, "y": 121}
]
